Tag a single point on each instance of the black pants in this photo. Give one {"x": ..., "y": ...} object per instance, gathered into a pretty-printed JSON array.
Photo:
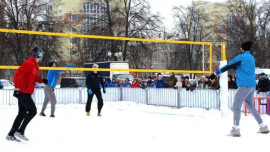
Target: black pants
[
  {"x": 27, "y": 111},
  {"x": 96, "y": 92}
]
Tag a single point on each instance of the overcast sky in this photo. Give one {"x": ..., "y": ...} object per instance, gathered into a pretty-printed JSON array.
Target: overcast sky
[{"x": 164, "y": 7}]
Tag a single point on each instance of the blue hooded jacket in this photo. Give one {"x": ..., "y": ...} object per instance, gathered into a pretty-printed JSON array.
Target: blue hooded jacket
[
  {"x": 245, "y": 69},
  {"x": 52, "y": 76}
]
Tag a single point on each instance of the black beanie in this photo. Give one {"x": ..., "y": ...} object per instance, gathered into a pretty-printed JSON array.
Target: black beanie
[
  {"x": 50, "y": 64},
  {"x": 246, "y": 45}
]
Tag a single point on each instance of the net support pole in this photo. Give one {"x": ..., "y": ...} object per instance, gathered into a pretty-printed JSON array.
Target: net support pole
[{"x": 223, "y": 81}]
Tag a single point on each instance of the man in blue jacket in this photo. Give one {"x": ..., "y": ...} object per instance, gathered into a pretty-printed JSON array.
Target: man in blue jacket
[
  {"x": 246, "y": 82},
  {"x": 49, "y": 88}
]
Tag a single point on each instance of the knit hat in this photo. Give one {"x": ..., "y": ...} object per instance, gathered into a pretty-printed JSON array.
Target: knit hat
[
  {"x": 246, "y": 45},
  {"x": 37, "y": 53}
]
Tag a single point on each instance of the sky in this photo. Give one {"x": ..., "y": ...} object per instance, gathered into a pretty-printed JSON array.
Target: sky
[
  {"x": 164, "y": 7},
  {"x": 131, "y": 127}
]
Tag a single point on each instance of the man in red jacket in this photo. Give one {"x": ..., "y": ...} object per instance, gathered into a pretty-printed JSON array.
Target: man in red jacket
[{"x": 25, "y": 79}]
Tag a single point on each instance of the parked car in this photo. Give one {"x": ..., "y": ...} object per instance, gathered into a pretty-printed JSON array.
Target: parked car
[
  {"x": 7, "y": 84},
  {"x": 71, "y": 82}
]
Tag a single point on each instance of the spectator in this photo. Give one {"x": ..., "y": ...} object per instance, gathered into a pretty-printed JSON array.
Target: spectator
[
  {"x": 263, "y": 84},
  {"x": 1, "y": 85},
  {"x": 180, "y": 83},
  {"x": 113, "y": 83},
  {"x": 207, "y": 82},
  {"x": 126, "y": 83},
  {"x": 107, "y": 81},
  {"x": 200, "y": 86},
  {"x": 215, "y": 84},
  {"x": 191, "y": 86},
  {"x": 187, "y": 85},
  {"x": 136, "y": 83},
  {"x": 231, "y": 83},
  {"x": 172, "y": 80},
  {"x": 182, "y": 79},
  {"x": 149, "y": 82},
  {"x": 160, "y": 82}
]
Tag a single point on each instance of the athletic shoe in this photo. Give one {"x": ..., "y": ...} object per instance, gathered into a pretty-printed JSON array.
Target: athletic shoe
[
  {"x": 52, "y": 116},
  {"x": 22, "y": 137},
  {"x": 99, "y": 114},
  {"x": 42, "y": 114},
  {"x": 12, "y": 138},
  {"x": 264, "y": 130},
  {"x": 87, "y": 113},
  {"x": 235, "y": 132}
]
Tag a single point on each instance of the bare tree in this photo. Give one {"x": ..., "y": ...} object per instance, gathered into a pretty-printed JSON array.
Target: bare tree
[
  {"x": 249, "y": 20},
  {"x": 188, "y": 27}
]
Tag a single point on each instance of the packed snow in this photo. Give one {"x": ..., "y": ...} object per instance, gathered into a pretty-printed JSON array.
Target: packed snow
[{"x": 132, "y": 127}]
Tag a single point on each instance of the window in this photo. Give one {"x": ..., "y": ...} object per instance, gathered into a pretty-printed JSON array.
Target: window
[
  {"x": 59, "y": 7},
  {"x": 49, "y": 8},
  {"x": 74, "y": 40},
  {"x": 74, "y": 17},
  {"x": 220, "y": 27},
  {"x": 73, "y": 30}
]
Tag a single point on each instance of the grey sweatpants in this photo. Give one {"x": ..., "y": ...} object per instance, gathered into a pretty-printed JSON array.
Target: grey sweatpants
[
  {"x": 49, "y": 96},
  {"x": 244, "y": 94}
]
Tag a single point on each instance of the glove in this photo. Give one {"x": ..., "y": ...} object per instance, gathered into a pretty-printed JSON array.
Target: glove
[
  {"x": 104, "y": 90},
  {"x": 45, "y": 81},
  {"x": 16, "y": 93},
  {"x": 90, "y": 91}
]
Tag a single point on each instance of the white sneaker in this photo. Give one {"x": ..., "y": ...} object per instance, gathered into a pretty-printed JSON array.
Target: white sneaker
[
  {"x": 235, "y": 132},
  {"x": 12, "y": 138},
  {"x": 263, "y": 130},
  {"x": 19, "y": 135}
]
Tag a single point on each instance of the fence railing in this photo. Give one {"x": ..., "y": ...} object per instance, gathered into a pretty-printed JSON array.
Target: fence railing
[{"x": 204, "y": 98}]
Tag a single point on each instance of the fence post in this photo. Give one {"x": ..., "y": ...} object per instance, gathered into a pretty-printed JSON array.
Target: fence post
[
  {"x": 178, "y": 98},
  {"x": 146, "y": 89},
  {"x": 121, "y": 93},
  {"x": 80, "y": 96}
]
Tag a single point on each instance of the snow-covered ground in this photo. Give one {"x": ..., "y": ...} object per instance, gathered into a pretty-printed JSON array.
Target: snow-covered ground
[{"x": 131, "y": 127}]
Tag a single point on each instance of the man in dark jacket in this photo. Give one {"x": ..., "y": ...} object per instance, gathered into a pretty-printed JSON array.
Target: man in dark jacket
[
  {"x": 92, "y": 82},
  {"x": 245, "y": 69},
  {"x": 25, "y": 79},
  {"x": 264, "y": 83}
]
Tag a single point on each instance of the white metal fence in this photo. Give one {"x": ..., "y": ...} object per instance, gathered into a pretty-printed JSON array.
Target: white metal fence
[{"x": 205, "y": 98}]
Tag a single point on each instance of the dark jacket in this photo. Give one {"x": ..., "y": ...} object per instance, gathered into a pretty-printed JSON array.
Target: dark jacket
[
  {"x": 27, "y": 75},
  {"x": 160, "y": 83},
  {"x": 263, "y": 85},
  {"x": 172, "y": 81},
  {"x": 93, "y": 80}
]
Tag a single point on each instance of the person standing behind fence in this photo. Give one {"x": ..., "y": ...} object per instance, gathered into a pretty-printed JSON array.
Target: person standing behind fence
[
  {"x": 245, "y": 69},
  {"x": 126, "y": 83},
  {"x": 160, "y": 82},
  {"x": 172, "y": 80},
  {"x": 113, "y": 83},
  {"x": 25, "y": 79},
  {"x": 207, "y": 82},
  {"x": 150, "y": 82},
  {"x": 93, "y": 80},
  {"x": 231, "y": 83},
  {"x": 136, "y": 83},
  {"x": 1, "y": 85},
  {"x": 52, "y": 77}
]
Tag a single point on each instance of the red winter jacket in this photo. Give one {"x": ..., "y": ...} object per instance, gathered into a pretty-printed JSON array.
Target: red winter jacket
[
  {"x": 135, "y": 85},
  {"x": 27, "y": 75}
]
